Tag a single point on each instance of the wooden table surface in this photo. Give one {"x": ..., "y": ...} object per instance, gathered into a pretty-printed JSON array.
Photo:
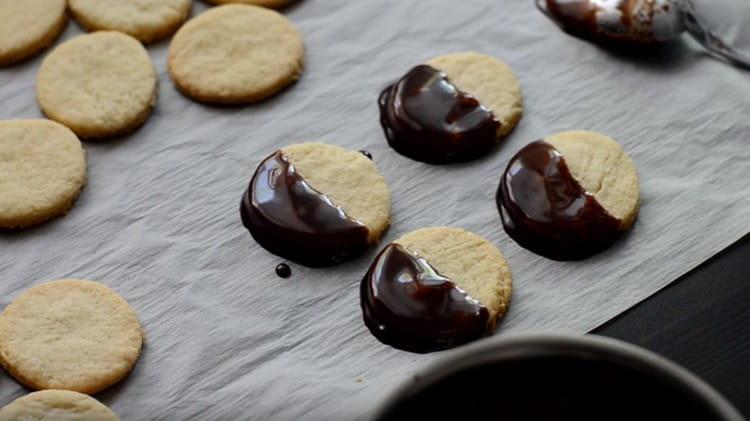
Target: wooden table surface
[{"x": 702, "y": 322}]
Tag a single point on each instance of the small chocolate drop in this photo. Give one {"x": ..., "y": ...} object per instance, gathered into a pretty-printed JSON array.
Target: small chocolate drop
[
  {"x": 367, "y": 154},
  {"x": 426, "y": 118},
  {"x": 283, "y": 270},
  {"x": 546, "y": 210},
  {"x": 291, "y": 219},
  {"x": 407, "y": 304}
]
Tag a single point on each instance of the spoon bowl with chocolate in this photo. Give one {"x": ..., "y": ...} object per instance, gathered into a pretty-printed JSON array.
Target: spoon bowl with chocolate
[
  {"x": 638, "y": 22},
  {"x": 554, "y": 377}
]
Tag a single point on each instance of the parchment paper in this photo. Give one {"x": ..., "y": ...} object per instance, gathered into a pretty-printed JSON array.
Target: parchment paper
[{"x": 227, "y": 339}]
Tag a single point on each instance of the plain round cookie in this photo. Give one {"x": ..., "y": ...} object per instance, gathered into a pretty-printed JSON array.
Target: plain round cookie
[
  {"x": 349, "y": 179},
  {"x": 56, "y": 405},
  {"x": 146, "y": 20},
  {"x": 264, "y": 3},
  {"x": 99, "y": 85},
  {"x": 468, "y": 260},
  {"x": 42, "y": 171},
  {"x": 235, "y": 54},
  {"x": 28, "y": 26},
  {"x": 70, "y": 334},
  {"x": 487, "y": 79},
  {"x": 603, "y": 169}
]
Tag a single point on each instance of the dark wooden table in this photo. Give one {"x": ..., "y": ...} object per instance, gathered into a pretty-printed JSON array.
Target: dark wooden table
[{"x": 702, "y": 322}]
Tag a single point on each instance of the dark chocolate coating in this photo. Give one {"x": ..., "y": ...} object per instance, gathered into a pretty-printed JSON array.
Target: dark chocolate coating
[
  {"x": 291, "y": 219},
  {"x": 428, "y": 119},
  {"x": 407, "y": 304},
  {"x": 547, "y": 211},
  {"x": 283, "y": 270},
  {"x": 578, "y": 17}
]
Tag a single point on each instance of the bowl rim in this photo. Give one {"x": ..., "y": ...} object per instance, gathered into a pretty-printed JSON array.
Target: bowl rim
[{"x": 518, "y": 344}]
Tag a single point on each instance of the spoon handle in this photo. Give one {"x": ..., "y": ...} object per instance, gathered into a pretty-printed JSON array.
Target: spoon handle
[{"x": 715, "y": 45}]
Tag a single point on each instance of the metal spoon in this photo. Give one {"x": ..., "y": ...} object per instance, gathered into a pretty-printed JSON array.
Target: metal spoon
[{"x": 638, "y": 21}]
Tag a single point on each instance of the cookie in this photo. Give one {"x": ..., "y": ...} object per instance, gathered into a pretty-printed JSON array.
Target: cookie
[
  {"x": 70, "y": 334},
  {"x": 42, "y": 171},
  {"x": 569, "y": 196},
  {"x": 454, "y": 108},
  {"x": 28, "y": 26},
  {"x": 316, "y": 204},
  {"x": 435, "y": 288},
  {"x": 56, "y": 405},
  {"x": 146, "y": 20},
  {"x": 264, "y": 3},
  {"x": 235, "y": 54},
  {"x": 99, "y": 85}
]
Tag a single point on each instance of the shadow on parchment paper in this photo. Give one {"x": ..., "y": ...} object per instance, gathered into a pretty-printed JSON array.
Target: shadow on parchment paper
[
  {"x": 362, "y": 261},
  {"x": 109, "y": 395},
  {"x": 663, "y": 57},
  {"x": 45, "y": 228},
  {"x": 294, "y": 5},
  {"x": 286, "y": 8},
  {"x": 106, "y": 396}
]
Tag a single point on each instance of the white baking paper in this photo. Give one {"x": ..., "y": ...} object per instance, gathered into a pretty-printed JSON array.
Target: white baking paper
[{"x": 227, "y": 339}]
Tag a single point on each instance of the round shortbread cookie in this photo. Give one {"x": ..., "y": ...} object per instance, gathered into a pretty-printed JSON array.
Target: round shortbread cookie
[
  {"x": 316, "y": 204},
  {"x": 349, "y": 179},
  {"x": 235, "y": 54},
  {"x": 28, "y": 26},
  {"x": 569, "y": 196},
  {"x": 468, "y": 260},
  {"x": 454, "y": 108},
  {"x": 487, "y": 79},
  {"x": 100, "y": 85},
  {"x": 603, "y": 168},
  {"x": 42, "y": 171},
  {"x": 146, "y": 20},
  {"x": 56, "y": 405},
  {"x": 434, "y": 289},
  {"x": 264, "y": 3},
  {"x": 70, "y": 334}
]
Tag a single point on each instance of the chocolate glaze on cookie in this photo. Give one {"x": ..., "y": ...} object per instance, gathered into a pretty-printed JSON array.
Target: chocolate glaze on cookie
[
  {"x": 547, "y": 211},
  {"x": 367, "y": 154},
  {"x": 291, "y": 219},
  {"x": 407, "y": 304},
  {"x": 426, "y": 118}
]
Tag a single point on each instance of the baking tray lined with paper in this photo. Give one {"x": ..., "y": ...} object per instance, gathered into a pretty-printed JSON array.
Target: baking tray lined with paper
[{"x": 226, "y": 338}]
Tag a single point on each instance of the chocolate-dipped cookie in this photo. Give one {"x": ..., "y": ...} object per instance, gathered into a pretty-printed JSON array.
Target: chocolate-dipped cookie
[
  {"x": 454, "y": 108},
  {"x": 435, "y": 288},
  {"x": 316, "y": 204},
  {"x": 569, "y": 196}
]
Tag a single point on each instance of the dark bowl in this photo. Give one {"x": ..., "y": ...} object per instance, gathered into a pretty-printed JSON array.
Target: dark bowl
[{"x": 554, "y": 377}]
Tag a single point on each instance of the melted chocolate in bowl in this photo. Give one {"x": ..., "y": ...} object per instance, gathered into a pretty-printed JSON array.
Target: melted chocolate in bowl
[
  {"x": 537, "y": 384},
  {"x": 426, "y": 118},
  {"x": 547, "y": 211},
  {"x": 407, "y": 304},
  {"x": 291, "y": 219}
]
